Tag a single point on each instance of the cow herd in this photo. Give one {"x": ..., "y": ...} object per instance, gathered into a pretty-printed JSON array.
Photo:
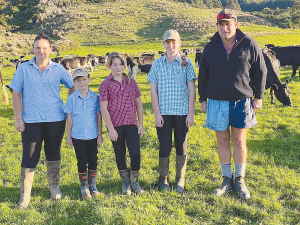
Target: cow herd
[{"x": 275, "y": 56}]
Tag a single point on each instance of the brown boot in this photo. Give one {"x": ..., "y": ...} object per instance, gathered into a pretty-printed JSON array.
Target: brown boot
[
  {"x": 163, "y": 174},
  {"x": 92, "y": 182},
  {"x": 27, "y": 175},
  {"x": 226, "y": 186},
  {"x": 84, "y": 185},
  {"x": 53, "y": 172},
  {"x": 180, "y": 172},
  {"x": 134, "y": 180},
  {"x": 125, "y": 176}
]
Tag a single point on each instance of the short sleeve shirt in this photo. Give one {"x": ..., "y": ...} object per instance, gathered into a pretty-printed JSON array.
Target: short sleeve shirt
[
  {"x": 84, "y": 114},
  {"x": 121, "y": 100},
  {"x": 41, "y": 99},
  {"x": 172, "y": 83}
]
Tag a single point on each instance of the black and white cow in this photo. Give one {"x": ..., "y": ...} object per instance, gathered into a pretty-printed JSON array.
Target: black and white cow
[
  {"x": 281, "y": 91},
  {"x": 72, "y": 63},
  {"x": 289, "y": 55},
  {"x": 98, "y": 60},
  {"x": 197, "y": 58},
  {"x": 139, "y": 64}
]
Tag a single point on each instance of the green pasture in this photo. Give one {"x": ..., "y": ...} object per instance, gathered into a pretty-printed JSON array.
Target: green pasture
[{"x": 272, "y": 171}]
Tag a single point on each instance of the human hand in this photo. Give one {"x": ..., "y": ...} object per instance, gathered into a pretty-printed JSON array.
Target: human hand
[
  {"x": 189, "y": 120},
  {"x": 99, "y": 139},
  {"x": 159, "y": 121},
  {"x": 69, "y": 141},
  {"x": 140, "y": 130},
  {"x": 113, "y": 134},
  {"x": 204, "y": 106},
  {"x": 257, "y": 103},
  {"x": 20, "y": 125}
]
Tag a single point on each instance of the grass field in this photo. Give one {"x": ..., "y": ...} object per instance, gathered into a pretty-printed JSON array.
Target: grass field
[{"x": 272, "y": 171}]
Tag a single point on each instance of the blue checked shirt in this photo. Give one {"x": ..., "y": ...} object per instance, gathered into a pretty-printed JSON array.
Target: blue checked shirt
[
  {"x": 41, "y": 99},
  {"x": 172, "y": 82},
  {"x": 84, "y": 114}
]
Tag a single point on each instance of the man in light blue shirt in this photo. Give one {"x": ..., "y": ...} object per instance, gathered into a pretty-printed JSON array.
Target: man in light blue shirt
[
  {"x": 172, "y": 79},
  {"x": 39, "y": 115}
]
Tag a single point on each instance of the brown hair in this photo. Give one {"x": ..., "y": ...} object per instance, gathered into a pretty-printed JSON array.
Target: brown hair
[
  {"x": 182, "y": 55},
  {"x": 42, "y": 36},
  {"x": 116, "y": 55}
]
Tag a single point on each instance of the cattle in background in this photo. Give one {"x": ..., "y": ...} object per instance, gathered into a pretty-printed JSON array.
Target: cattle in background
[
  {"x": 281, "y": 91},
  {"x": 288, "y": 56},
  {"x": 58, "y": 59},
  {"x": 139, "y": 64},
  {"x": 197, "y": 58},
  {"x": 72, "y": 63},
  {"x": 99, "y": 60}
]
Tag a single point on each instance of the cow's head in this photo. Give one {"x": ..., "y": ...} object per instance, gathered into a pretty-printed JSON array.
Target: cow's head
[{"x": 283, "y": 94}]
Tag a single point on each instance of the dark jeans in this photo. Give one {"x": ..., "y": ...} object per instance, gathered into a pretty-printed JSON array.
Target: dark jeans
[
  {"x": 164, "y": 135},
  {"x": 86, "y": 154},
  {"x": 32, "y": 138},
  {"x": 128, "y": 133}
]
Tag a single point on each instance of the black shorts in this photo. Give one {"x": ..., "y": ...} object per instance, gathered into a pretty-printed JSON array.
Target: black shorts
[{"x": 32, "y": 138}]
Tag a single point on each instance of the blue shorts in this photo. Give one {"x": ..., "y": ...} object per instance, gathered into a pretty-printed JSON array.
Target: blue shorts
[{"x": 222, "y": 114}]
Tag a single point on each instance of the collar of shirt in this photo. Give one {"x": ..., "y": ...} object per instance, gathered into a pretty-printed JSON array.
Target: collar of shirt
[
  {"x": 78, "y": 94},
  {"x": 221, "y": 43},
  {"x": 178, "y": 58},
  {"x": 32, "y": 62}
]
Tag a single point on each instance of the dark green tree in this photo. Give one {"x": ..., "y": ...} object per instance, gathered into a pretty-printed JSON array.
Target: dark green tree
[{"x": 233, "y": 4}]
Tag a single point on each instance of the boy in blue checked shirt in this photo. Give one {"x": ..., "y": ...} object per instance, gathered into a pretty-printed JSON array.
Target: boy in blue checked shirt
[
  {"x": 84, "y": 130},
  {"x": 173, "y": 95}
]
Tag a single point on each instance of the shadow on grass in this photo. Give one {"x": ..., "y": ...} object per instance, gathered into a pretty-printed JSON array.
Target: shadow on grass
[
  {"x": 282, "y": 146},
  {"x": 7, "y": 112}
]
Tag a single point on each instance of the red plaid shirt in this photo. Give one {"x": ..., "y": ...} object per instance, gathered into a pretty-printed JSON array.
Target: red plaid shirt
[{"x": 121, "y": 100}]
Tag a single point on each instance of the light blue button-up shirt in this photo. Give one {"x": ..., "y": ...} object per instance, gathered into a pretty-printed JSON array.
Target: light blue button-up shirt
[
  {"x": 172, "y": 83},
  {"x": 84, "y": 114},
  {"x": 41, "y": 99}
]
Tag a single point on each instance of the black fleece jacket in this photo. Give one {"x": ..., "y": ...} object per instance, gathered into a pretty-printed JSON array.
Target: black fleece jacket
[{"x": 240, "y": 74}]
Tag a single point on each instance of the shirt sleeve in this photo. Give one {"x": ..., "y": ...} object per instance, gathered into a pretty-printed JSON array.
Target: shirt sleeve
[
  {"x": 103, "y": 91},
  {"x": 66, "y": 78},
  {"x": 190, "y": 71},
  {"x": 136, "y": 88},
  {"x": 69, "y": 105},
  {"x": 152, "y": 76},
  {"x": 98, "y": 104},
  {"x": 17, "y": 81}
]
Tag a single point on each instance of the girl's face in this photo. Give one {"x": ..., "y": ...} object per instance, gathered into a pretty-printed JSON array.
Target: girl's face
[
  {"x": 172, "y": 47},
  {"x": 116, "y": 68}
]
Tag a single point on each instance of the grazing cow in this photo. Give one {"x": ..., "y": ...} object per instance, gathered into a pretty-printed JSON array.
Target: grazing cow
[
  {"x": 72, "y": 63},
  {"x": 139, "y": 64},
  {"x": 58, "y": 59},
  {"x": 282, "y": 91},
  {"x": 289, "y": 55},
  {"x": 197, "y": 58},
  {"x": 98, "y": 60}
]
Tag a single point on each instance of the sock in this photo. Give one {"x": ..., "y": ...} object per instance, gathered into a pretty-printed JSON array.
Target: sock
[
  {"x": 240, "y": 170},
  {"x": 226, "y": 170}
]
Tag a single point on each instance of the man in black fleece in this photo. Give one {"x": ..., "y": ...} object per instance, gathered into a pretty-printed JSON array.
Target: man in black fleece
[{"x": 232, "y": 70}]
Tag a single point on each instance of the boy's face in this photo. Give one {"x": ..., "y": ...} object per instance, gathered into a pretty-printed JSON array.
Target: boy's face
[
  {"x": 82, "y": 83},
  {"x": 172, "y": 46}
]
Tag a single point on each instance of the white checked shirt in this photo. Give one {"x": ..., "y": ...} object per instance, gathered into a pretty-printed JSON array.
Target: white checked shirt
[{"x": 172, "y": 82}]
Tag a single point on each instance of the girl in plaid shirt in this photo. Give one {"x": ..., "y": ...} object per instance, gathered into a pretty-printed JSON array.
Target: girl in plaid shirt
[{"x": 120, "y": 101}]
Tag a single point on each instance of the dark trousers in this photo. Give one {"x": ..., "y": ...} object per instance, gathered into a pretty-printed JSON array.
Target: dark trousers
[
  {"x": 32, "y": 138},
  {"x": 128, "y": 133},
  {"x": 164, "y": 135},
  {"x": 86, "y": 154}
]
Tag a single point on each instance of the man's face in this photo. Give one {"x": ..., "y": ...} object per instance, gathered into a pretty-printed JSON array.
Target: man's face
[
  {"x": 42, "y": 49},
  {"x": 227, "y": 29}
]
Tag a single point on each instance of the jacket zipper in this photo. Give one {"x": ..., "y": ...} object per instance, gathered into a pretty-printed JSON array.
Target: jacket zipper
[{"x": 231, "y": 49}]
